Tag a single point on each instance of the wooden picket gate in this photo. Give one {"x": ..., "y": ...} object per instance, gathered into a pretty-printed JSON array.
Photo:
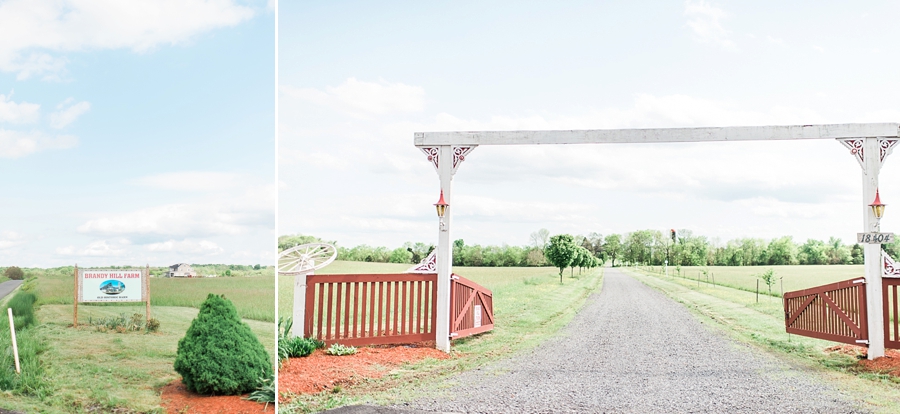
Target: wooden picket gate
[
  {"x": 390, "y": 308},
  {"x": 471, "y": 308},
  {"x": 835, "y": 312},
  {"x": 891, "y": 316},
  {"x": 371, "y": 309}
]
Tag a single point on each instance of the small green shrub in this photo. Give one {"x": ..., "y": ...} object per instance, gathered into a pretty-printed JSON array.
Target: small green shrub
[
  {"x": 339, "y": 350},
  {"x": 152, "y": 325},
  {"x": 219, "y": 354},
  {"x": 14, "y": 273},
  {"x": 301, "y": 347}
]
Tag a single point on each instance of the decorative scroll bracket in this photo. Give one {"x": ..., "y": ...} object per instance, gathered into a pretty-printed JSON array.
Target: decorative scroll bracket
[
  {"x": 459, "y": 155},
  {"x": 857, "y": 148},
  {"x": 428, "y": 265},
  {"x": 891, "y": 268}
]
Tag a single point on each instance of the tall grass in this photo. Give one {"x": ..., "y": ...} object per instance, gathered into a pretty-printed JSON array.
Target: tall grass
[{"x": 30, "y": 345}]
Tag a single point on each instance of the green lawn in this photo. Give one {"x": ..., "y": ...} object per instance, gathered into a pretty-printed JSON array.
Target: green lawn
[
  {"x": 530, "y": 306},
  {"x": 744, "y": 277},
  {"x": 90, "y": 371},
  {"x": 253, "y": 296},
  {"x": 737, "y": 313}
]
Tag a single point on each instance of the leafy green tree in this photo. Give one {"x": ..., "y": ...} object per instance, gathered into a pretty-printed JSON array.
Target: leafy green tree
[
  {"x": 401, "y": 255},
  {"x": 782, "y": 251},
  {"x": 540, "y": 238},
  {"x": 219, "y": 354},
  {"x": 14, "y": 273},
  {"x": 856, "y": 254},
  {"x": 561, "y": 252},
  {"x": 612, "y": 245}
]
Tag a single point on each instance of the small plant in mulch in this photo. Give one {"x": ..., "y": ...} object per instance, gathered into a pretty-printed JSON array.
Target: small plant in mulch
[
  {"x": 265, "y": 392},
  {"x": 123, "y": 324},
  {"x": 340, "y": 350},
  {"x": 219, "y": 354},
  {"x": 294, "y": 347}
]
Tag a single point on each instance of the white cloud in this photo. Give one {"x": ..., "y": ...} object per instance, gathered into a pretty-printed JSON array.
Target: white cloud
[
  {"x": 364, "y": 99},
  {"x": 34, "y": 29},
  {"x": 706, "y": 22},
  {"x": 99, "y": 248},
  {"x": 819, "y": 49},
  {"x": 9, "y": 239},
  {"x": 204, "y": 247},
  {"x": 777, "y": 41},
  {"x": 15, "y": 144},
  {"x": 18, "y": 113},
  {"x": 194, "y": 181},
  {"x": 196, "y": 220},
  {"x": 68, "y": 113}
]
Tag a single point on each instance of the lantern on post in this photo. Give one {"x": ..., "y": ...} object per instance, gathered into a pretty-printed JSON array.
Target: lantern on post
[
  {"x": 877, "y": 206},
  {"x": 441, "y": 207}
]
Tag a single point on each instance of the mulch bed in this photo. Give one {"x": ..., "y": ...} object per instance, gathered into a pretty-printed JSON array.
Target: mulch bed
[
  {"x": 888, "y": 364},
  {"x": 176, "y": 399},
  {"x": 320, "y": 371}
]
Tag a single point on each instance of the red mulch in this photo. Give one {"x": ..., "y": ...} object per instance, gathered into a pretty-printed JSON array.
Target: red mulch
[
  {"x": 888, "y": 364},
  {"x": 320, "y": 371},
  {"x": 177, "y": 399}
]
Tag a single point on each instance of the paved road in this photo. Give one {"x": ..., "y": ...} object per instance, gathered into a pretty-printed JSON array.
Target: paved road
[
  {"x": 8, "y": 286},
  {"x": 633, "y": 350}
]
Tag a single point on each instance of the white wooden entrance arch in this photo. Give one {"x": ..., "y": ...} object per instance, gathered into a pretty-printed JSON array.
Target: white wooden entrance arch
[{"x": 868, "y": 143}]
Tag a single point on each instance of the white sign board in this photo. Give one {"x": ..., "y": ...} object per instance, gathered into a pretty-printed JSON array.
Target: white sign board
[
  {"x": 477, "y": 316},
  {"x": 111, "y": 285},
  {"x": 874, "y": 238}
]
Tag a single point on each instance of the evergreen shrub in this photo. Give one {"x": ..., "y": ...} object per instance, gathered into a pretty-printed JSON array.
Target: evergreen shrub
[{"x": 219, "y": 354}]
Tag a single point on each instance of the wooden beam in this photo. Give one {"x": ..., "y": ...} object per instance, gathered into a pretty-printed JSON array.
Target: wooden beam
[{"x": 609, "y": 136}]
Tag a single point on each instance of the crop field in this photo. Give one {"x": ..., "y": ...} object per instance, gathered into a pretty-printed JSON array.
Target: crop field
[
  {"x": 530, "y": 305},
  {"x": 745, "y": 277}
]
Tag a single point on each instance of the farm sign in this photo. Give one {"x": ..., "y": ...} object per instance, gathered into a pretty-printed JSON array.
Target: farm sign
[{"x": 111, "y": 285}]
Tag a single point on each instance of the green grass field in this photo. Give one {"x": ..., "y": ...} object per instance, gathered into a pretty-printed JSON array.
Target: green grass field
[
  {"x": 90, "y": 371},
  {"x": 744, "y": 277},
  {"x": 530, "y": 306},
  {"x": 253, "y": 296},
  {"x": 737, "y": 313}
]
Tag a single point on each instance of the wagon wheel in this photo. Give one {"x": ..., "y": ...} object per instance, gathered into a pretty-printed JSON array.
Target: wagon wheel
[{"x": 305, "y": 258}]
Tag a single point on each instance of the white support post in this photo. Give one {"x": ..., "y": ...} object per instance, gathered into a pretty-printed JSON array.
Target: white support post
[
  {"x": 444, "y": 253},
  {"x": 12, "y": 332},
  {"x": 873, "y": 260},
  {"x": 299, "y": 304}
]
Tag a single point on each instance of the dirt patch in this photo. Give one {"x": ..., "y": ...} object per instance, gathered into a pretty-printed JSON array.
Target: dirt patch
[
  {"x": 176, "y": 399},
  {"x": 888, "y": 364},
  {"x": 319, "y": 371}
]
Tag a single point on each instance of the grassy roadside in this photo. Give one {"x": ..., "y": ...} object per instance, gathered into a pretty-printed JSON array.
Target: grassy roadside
[
  {"x": 530, "y": 306},
  {"x": 761, "y": 324}
]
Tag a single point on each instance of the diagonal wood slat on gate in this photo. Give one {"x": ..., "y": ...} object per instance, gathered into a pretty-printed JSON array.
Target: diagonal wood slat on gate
[
  {"x": 471, "y": 308},
  {"x": 834, "y": 312}
]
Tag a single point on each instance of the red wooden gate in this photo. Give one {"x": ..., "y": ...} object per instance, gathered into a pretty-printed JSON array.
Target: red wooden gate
[
  {"x": 471, "y": 308},
  {"x": 835, "y": 312},
  {"x": 891, "y": 317},
  {"x": 370, "y": 309}
]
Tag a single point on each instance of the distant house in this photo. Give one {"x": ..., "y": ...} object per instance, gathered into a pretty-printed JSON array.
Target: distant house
[{"x": 181, "y": 270}]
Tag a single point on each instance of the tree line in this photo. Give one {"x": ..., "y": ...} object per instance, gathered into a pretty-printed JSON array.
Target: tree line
[{"x": 645, "y": 247}]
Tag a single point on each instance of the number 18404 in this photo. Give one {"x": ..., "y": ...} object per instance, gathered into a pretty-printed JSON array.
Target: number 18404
[{"x": 874, "y": 238}]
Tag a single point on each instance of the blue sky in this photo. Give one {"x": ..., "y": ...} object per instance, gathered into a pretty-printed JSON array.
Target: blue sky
[
  {"x": 138, "y": 132},
  {"x": 357, "y": 79}
]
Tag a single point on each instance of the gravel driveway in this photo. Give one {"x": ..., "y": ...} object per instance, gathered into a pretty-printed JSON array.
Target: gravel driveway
[{"x": 632, "y": 349}]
